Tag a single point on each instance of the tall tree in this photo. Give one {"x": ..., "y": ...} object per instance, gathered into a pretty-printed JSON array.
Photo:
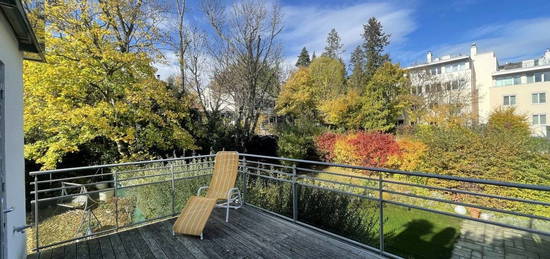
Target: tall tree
[
  {"x": 382, "y": 100},
  {"x": 182, "y": 42},
  {"x": 375, "y": 40},
  {"x": 303, "y": 58},
  {"x": 99, "y": 86},
  {"x": 247, "y": 58},
  {"x": 333, "y": 49},
  {"x": 357, "y": 60},
  {"x": 313, "y": 56}
]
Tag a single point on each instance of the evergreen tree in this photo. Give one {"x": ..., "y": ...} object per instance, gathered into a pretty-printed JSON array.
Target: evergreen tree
[
  {"x": 303, "y": 58},
  {"x": 333, "y": 49},
  {"x": 357, "y": 60},
  {"x": 313, "y": 56},
  {"x": 373, "y": 46}
]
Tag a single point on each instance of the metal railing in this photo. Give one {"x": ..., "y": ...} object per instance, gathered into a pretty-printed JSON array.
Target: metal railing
[{"x": 378, "y": 182}]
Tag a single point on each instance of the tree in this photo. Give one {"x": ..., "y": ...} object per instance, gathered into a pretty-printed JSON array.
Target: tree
[
  {"x": 247, "y": 58},
  {"x": 99, "y": 86},
  {"x": 375, "y": 40},
  {"x": 313, "y": 56},
  {"x": 333, "y": 49},
  {"x": 298, "y": 95},
  {"x": 303, "y": 58},
  {"x": 382, "y": 100},
  {"x": 357, "y": 60},
  {"x": 328, "y": 75}
]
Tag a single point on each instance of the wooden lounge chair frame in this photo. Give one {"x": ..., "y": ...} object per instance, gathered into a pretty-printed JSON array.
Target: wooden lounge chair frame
[{"x": 196, "y": 212}]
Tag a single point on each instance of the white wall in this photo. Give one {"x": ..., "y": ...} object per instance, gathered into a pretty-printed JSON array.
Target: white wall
[
  {"x": 15, "y": 171},
  {"x": 485, "y": 64}
]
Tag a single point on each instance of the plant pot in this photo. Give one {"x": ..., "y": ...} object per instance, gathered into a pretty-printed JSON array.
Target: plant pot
[
  {"x": 106, "y": 196},
  {"x": 101, "y": 186},
  {"x": 474, "y": 212}
]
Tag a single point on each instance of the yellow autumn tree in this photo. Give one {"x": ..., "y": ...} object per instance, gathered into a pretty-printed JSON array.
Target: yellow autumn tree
[{"x": 99, "y": 86}]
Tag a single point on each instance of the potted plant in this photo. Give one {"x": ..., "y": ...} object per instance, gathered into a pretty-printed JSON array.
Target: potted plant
[{"x": 474, "y": 212}]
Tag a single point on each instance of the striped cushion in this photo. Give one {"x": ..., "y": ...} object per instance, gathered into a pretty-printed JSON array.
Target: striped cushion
[
  {"x": 224, "y": 176},
  {"x": 194, "y": 216}
]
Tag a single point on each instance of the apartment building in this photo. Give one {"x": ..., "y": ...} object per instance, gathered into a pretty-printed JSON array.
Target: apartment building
[{"x": 486, "y": 85}]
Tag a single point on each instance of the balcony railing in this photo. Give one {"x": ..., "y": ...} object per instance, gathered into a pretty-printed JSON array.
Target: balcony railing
[{"x": 289, "y": 188}]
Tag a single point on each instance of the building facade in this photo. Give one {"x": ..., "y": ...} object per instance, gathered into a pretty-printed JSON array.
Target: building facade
[
  {"x": 16, "y": 39},
  {"x": 484, "y": 85}
]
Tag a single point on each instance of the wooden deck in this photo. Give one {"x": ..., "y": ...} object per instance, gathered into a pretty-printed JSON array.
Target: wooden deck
[{"x": 250, "y": 233}]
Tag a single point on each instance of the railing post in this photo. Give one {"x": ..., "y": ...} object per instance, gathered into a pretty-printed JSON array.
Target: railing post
[
  {"x": 381, "y": 209},
  {"x": 173, "y": 190},
  {"x": 294, "y": 195},
  {"x": 115, "y": 187},
  {"x": 36, "y": 214},
  {"x": 245, "y": 180}
]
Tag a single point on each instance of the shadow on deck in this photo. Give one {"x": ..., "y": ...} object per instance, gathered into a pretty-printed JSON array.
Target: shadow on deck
[{"x": 250, "y": 233}]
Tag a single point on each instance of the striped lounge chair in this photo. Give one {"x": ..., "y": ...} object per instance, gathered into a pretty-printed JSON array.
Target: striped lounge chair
[{"x": 196, "y": 212}]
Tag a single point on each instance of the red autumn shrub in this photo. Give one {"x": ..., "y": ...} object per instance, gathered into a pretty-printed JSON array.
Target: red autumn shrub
[
  {"x": 324, "y": 144},
  {"x": 373, "y": 149}
]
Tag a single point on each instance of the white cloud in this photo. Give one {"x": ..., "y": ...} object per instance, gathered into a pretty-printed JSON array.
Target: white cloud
[
  {"x": 511, "y": 41},
  {"x": 309, "y": 25},
  {"x": 170, "y": 66}
]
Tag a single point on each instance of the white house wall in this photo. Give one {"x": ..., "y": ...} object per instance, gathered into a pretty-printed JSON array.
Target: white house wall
[{"x": 15, "y": 173}]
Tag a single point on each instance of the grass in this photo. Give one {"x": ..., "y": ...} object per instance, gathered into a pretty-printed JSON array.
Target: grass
[
  {"x": 409, "y": 233},
  {"x": 412, "y": 233}
]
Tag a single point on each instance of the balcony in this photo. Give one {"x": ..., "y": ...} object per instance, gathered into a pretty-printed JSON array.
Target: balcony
[{"x": 293, "y": 209}]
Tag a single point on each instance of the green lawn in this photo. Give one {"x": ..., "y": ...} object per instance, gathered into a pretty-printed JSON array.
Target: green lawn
[
  {"x": 409, "y": 233},
  {"x": 414, "y": 233}
]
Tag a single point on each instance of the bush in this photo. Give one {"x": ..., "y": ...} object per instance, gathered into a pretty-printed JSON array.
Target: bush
[
  {"x": 297, "y": 140},
  {"x": 410, "y": 157},
  {"x": 361, "y": 148}
]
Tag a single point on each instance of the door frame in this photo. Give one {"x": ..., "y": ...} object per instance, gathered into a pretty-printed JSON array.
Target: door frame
[{"x": 3, "y": 232}]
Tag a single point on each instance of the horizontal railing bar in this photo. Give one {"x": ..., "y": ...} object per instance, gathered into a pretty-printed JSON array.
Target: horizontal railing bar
[
  {"x": 269, "y": 171},
  {"x": 114, "y": 165},
  {"x": 469, "y": 193},
  {"x": 270, "y": 177},
  {"x": 421, "y": 174},
  {"x": 70, "y": 178},
  {"x": 110, "y": 189},
  {"x": 270, "y": 164},
  {"x": 70, "y": 187},
  {"x": 159, "y": 175},
  {"x": 340, "y": 183},
  {"x": 175, "y": 179},
  {"x": 468, "y": 205},
  {"x": 530, "y": 230},
  {"x": 337, "y": 174},
  {"x": 162, "y": 167},
  {"x": 339, "y": 191}
]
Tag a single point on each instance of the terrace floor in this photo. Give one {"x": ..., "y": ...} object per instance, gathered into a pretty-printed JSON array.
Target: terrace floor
[{"x": 250, "y": 233}]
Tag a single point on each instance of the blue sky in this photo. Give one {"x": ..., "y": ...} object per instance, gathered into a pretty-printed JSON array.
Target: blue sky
[{"x": 514, "y": 30}]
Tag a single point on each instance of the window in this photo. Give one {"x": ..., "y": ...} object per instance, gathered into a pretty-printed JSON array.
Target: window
[
  {"x": 539, "y": 119},
  {"x": 546, "y": 76},
  {"x": 538, "y": 77},
  {"x": 530, "y": 78},
  {"x": 509, "y": 80},
  {"x": 509, "y": 100},
  {"x": 539, "y": 98}
]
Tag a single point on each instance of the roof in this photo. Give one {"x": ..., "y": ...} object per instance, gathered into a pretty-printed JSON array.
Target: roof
[
  {"x": 438, "y": 62},
  {"x": 24, "y": 33},
  {"x": 521, "y": 70}
]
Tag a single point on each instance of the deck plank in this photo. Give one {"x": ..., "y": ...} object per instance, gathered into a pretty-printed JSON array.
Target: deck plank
[
  {"x": 82, "y": 250},
  {"x": 250, "y": 233},
  {"x": 118, "y": 247},
  {"x": 94, "y": 248},
  {"x": 151, "y": 243},
  {"x": 199, "y": 248},
  {"x": 138, "y": 242}
]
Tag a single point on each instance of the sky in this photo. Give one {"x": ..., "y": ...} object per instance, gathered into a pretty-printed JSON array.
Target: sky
[{"x": 513, "y": 29}]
